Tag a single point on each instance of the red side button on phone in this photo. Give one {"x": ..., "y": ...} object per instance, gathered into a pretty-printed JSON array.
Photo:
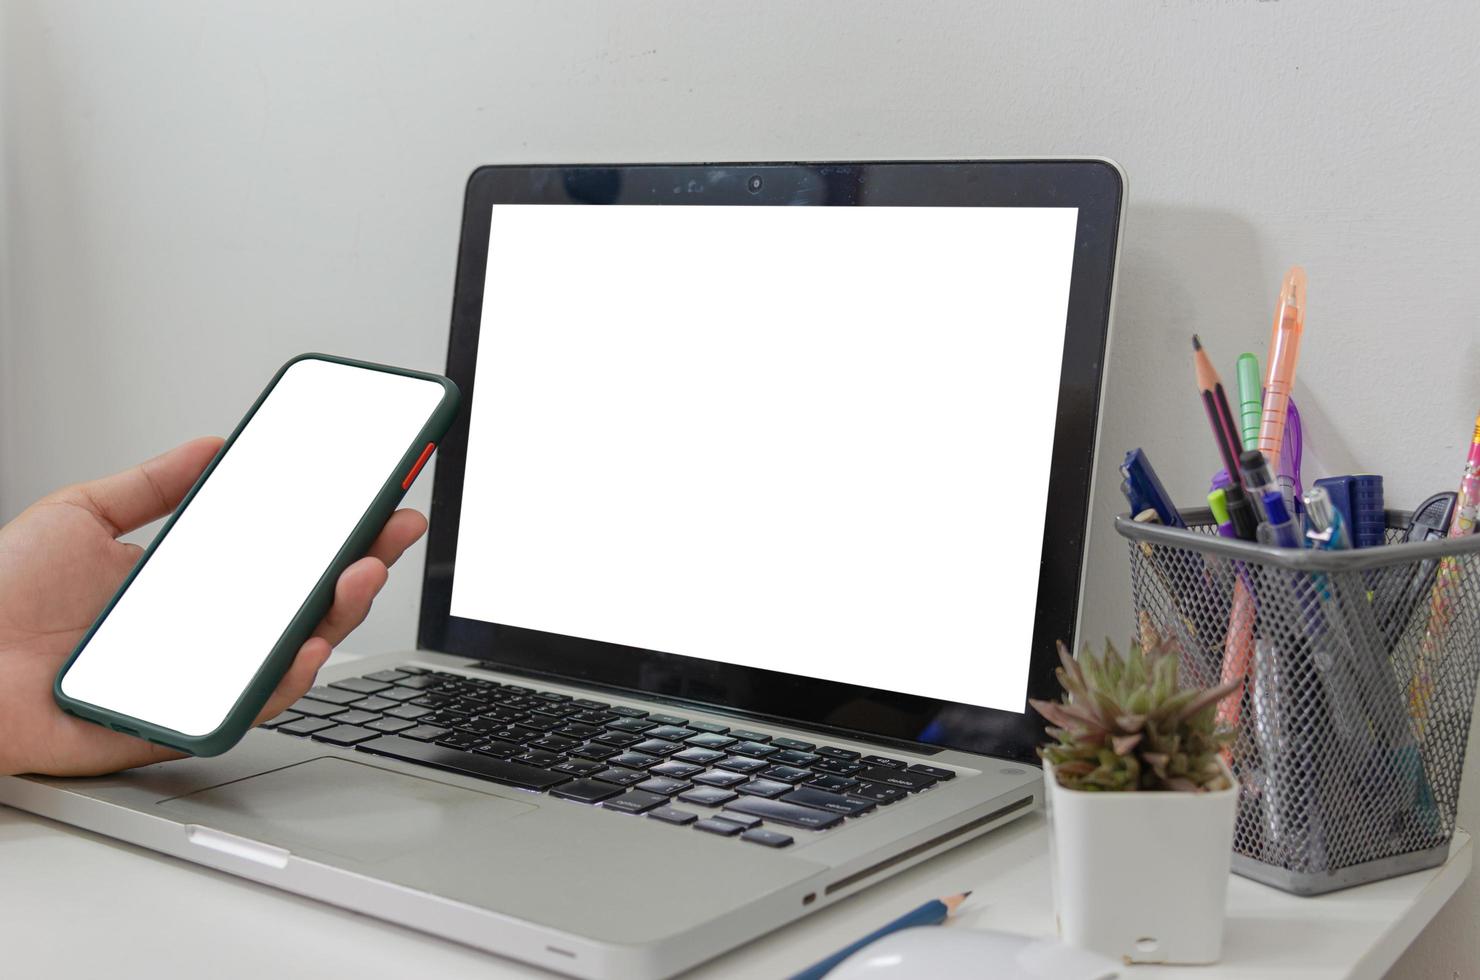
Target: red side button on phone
[{"x": 416, "y": 467}]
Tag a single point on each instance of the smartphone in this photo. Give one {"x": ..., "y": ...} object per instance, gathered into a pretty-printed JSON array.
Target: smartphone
[{"x": 188, "y": 650}]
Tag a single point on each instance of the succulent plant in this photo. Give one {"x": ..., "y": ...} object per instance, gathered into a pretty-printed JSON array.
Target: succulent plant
[{"x": 1126, "y": 723}]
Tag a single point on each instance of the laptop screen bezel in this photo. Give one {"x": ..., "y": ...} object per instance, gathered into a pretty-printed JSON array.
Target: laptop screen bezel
[{"x": 1094, "y": 187}]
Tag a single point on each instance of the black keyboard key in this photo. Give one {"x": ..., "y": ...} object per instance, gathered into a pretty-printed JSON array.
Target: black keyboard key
[
  {"x": 635, "y": 801},
  {"x": 677, "y": 770},
  {"x": 499, "y": 750},
  {"x": 585, "y": 791},
  {"x": 305, "y": 726},
  {"x": 721, "y": 778},
  {"x": 833, "y": 752},
  {"x": 670, "y": 733},
  {"x": 552, "y": 696},
  {"x": 743, "y": 819},
  {"x": 620, "y": 739},
  {"x": 672, "y": 814},
  {"x": 390, "y": 725},
  {"x": 479, "y": 726},
  {"x": 418, "y": 683},
  {"x": 787, "y": 774},
  {"x": 838, "y": 767},
  {"x": 372, "y": 703},
  {"x": 710, "y": 740},
  {"x": 554, "y": 743},
  {"x": 736, "y": 763},
  {"x": 425, "y": 733},
  {"x": 593, "y": 750},
  {"x": 345, "y": 735},
  {"x": 432, "y": 699},
  {"x": 885, "y": 761},
  {"x": 354, "y": 716},
  {"x": 579, "y": 767},
  {"x": 282, "y": 719},
  {"x": 664, "y": 785},
  {"x": 409, "y": 669},
  {"x": 465, "y": 763},
  {"x": 833, "y": 783},
  {"x": 362, "y": 684},
  {"x": 399, "y": 695},
  {"x": 539, "y": 757},
  {"x": 768, "y": 838},
  {"x": 627, "y": 712},
  {"x": 410, "y": 712},
  {"x": 707, "y": 796},
  {"x": 460, "y": 740},
  {"x": 905, "y": 779},
  {"x": 702, "y": 757},
  {"x": 746, "y": 735},
  {"x": 314, "y": 709},
  {"x": 633, "y": 725},
  {"x": 941, "y": 775},
  {"x": 831, "y": 802},
  {"x": 789, "y": 814},
  {"x": 657, "y": 746},
  {"x": 333, "y": 695},
  {"x": 878, "y": 793},
  {"x": 794, "y": 744},
  {"x": 633, "y": 760},
  {"x": 387, "y": 676},
  {"x": 576, "y": 729},
  {"x": 754, "y": 749},
  {"x": 791, "y": 757},
  {"x": 767, "y": 788},
  {"x": 714, "y": 825},
  {"x": 708, "y": 727},
  {"x": 541, "y": 722},
  {"x": 593, "y": 705},
  {"x": 516, "y": 733},
  {"x": 621, "y": 777},
  {"x": 592, "y": 717},
  {"x": 667, "y": 720}
]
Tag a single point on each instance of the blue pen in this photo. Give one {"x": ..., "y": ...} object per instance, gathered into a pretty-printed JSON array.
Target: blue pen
[
  {"x": 1143, "y": 489},
  {"x": 932, "y": 913},
  {"x": 1278, "y": 527}
]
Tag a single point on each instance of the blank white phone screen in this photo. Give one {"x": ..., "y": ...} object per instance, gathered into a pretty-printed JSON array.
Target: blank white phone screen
[
  {"x": 186, "y": 638},
  {"x": 809, "y": 439}
]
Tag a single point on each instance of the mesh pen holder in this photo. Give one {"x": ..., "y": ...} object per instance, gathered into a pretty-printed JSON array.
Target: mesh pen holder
[{"x": 1360, "y": 670}]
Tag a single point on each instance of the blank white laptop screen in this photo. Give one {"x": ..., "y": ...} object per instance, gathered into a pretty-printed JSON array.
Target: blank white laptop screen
[{"x": 808, "y": 439}]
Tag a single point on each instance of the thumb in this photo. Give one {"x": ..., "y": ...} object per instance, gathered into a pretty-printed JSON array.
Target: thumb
[{"x": 146, "y": 492}]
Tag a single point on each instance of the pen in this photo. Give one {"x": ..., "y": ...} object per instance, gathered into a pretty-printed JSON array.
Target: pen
[
  {"x": 1278, "y": 524},
  {"x": 932, "y": 913},
  {"x": 1257, "y": 478},
  {"x": 1218, "y": 504},
  {"x": 1284, "y": 351},
  {"x": 1441, "y": 600},
  {"x": 1250, "y": 399}
]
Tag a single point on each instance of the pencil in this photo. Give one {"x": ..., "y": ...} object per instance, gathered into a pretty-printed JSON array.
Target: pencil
[
  {"x": 932, "y": 913},
  {"x": 1215, "y": 403}
]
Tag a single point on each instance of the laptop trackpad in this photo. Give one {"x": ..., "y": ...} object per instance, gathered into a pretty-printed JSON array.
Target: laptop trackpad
[{"x": 339, "y": 807}]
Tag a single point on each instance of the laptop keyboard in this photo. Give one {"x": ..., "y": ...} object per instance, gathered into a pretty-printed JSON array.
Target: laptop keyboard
[{"x": 733, "y": 782}]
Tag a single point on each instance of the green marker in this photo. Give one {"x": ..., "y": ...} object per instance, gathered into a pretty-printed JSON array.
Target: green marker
[{"x": 1250, "y": 399}]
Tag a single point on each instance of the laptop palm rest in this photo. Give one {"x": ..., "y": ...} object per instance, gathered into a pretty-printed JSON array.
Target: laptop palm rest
[{"x": 343, "y": 808}]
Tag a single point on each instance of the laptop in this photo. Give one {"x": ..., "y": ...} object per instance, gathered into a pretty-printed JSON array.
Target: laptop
[{"x": 765, "y": 511}]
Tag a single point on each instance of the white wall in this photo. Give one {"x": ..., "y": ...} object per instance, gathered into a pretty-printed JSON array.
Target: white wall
[{"x": 195, "y": 192}]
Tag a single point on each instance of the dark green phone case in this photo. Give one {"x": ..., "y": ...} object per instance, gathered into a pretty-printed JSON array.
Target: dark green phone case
[{"x": 239, "y": 720}]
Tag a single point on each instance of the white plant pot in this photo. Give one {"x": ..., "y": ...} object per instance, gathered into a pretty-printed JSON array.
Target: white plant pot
[{"x": 1141, "y": 876}]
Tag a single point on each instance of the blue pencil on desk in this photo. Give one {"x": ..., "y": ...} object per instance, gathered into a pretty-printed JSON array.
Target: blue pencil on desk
[{"x": 932, "y": 913}]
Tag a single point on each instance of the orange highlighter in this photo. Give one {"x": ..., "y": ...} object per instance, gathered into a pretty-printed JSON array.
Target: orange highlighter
[{"x": 1284, "y": 351}]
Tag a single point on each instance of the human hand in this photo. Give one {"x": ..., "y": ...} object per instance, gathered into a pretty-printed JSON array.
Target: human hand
[{"x": 60, "y": 563}]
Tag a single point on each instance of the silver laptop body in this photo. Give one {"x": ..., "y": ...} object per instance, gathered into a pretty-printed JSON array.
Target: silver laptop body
[{"x": 567, "y": 884}]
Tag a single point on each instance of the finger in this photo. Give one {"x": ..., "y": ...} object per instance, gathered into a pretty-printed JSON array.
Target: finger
[
  {"x": 299, "y": 678},
  {"x": 399, "y": 533},
  {"x": 353, "y": 593},
  {"x": 140, "y": 494}
]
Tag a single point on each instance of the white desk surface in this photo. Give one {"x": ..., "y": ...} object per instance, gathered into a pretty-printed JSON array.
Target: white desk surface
[{"x": 74, "y": 904}]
